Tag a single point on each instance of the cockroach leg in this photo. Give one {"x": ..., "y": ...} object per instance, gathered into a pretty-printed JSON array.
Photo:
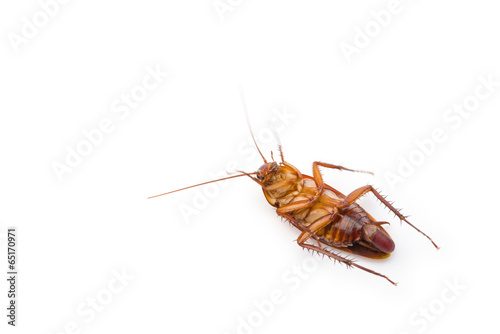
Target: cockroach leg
[
  {"x": 308, "y": 232},
  {"x": 327, "y": 165},
  {"x": 356, "y": 194},
  {"x": 302, "y": 228},
  {"x": 281, "y": 153},
  {"x": 318, "y": 178},
  {"x": 341, "y": 259},
  {"x": 294, "y": 206},
  {"x": 317, "y": 225}
]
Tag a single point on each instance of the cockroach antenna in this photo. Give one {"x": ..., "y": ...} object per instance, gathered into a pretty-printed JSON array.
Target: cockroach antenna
[{"x": 248, "y": 122}]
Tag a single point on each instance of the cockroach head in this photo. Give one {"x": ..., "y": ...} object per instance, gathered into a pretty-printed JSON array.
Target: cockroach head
[{"x": 267, "y": 171}]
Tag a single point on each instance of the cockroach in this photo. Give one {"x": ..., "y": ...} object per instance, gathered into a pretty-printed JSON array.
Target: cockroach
[{"x": 327, "y": 218}]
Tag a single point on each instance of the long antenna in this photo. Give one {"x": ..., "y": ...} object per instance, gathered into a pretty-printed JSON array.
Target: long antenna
[
  {"x": 200, "y": 184},
  {"x": 234, "y": 176},
  {"x": 248, "y": 122}
]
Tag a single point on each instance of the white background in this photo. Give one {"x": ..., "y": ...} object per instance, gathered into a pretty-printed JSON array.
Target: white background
[{"x": 205, "y": 273}]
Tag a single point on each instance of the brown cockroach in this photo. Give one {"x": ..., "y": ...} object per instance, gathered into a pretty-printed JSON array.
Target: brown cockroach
[{"x": 323, "y": 214}]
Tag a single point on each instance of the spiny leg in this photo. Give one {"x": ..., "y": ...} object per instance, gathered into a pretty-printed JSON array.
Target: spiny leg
[
  {"x": 273, "y": 129},
  {"x": 307, "y": 233},
  {"x": 327, "y": 165},
  {"x": 318, "y": 178},
  {"x": 341, "y": 259},
  {"x": 281, "y": 153},
  {"x": 317, "y": 225},
  {"x": 295, "y": 222},
  {"x": 356, "y": 194}
]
